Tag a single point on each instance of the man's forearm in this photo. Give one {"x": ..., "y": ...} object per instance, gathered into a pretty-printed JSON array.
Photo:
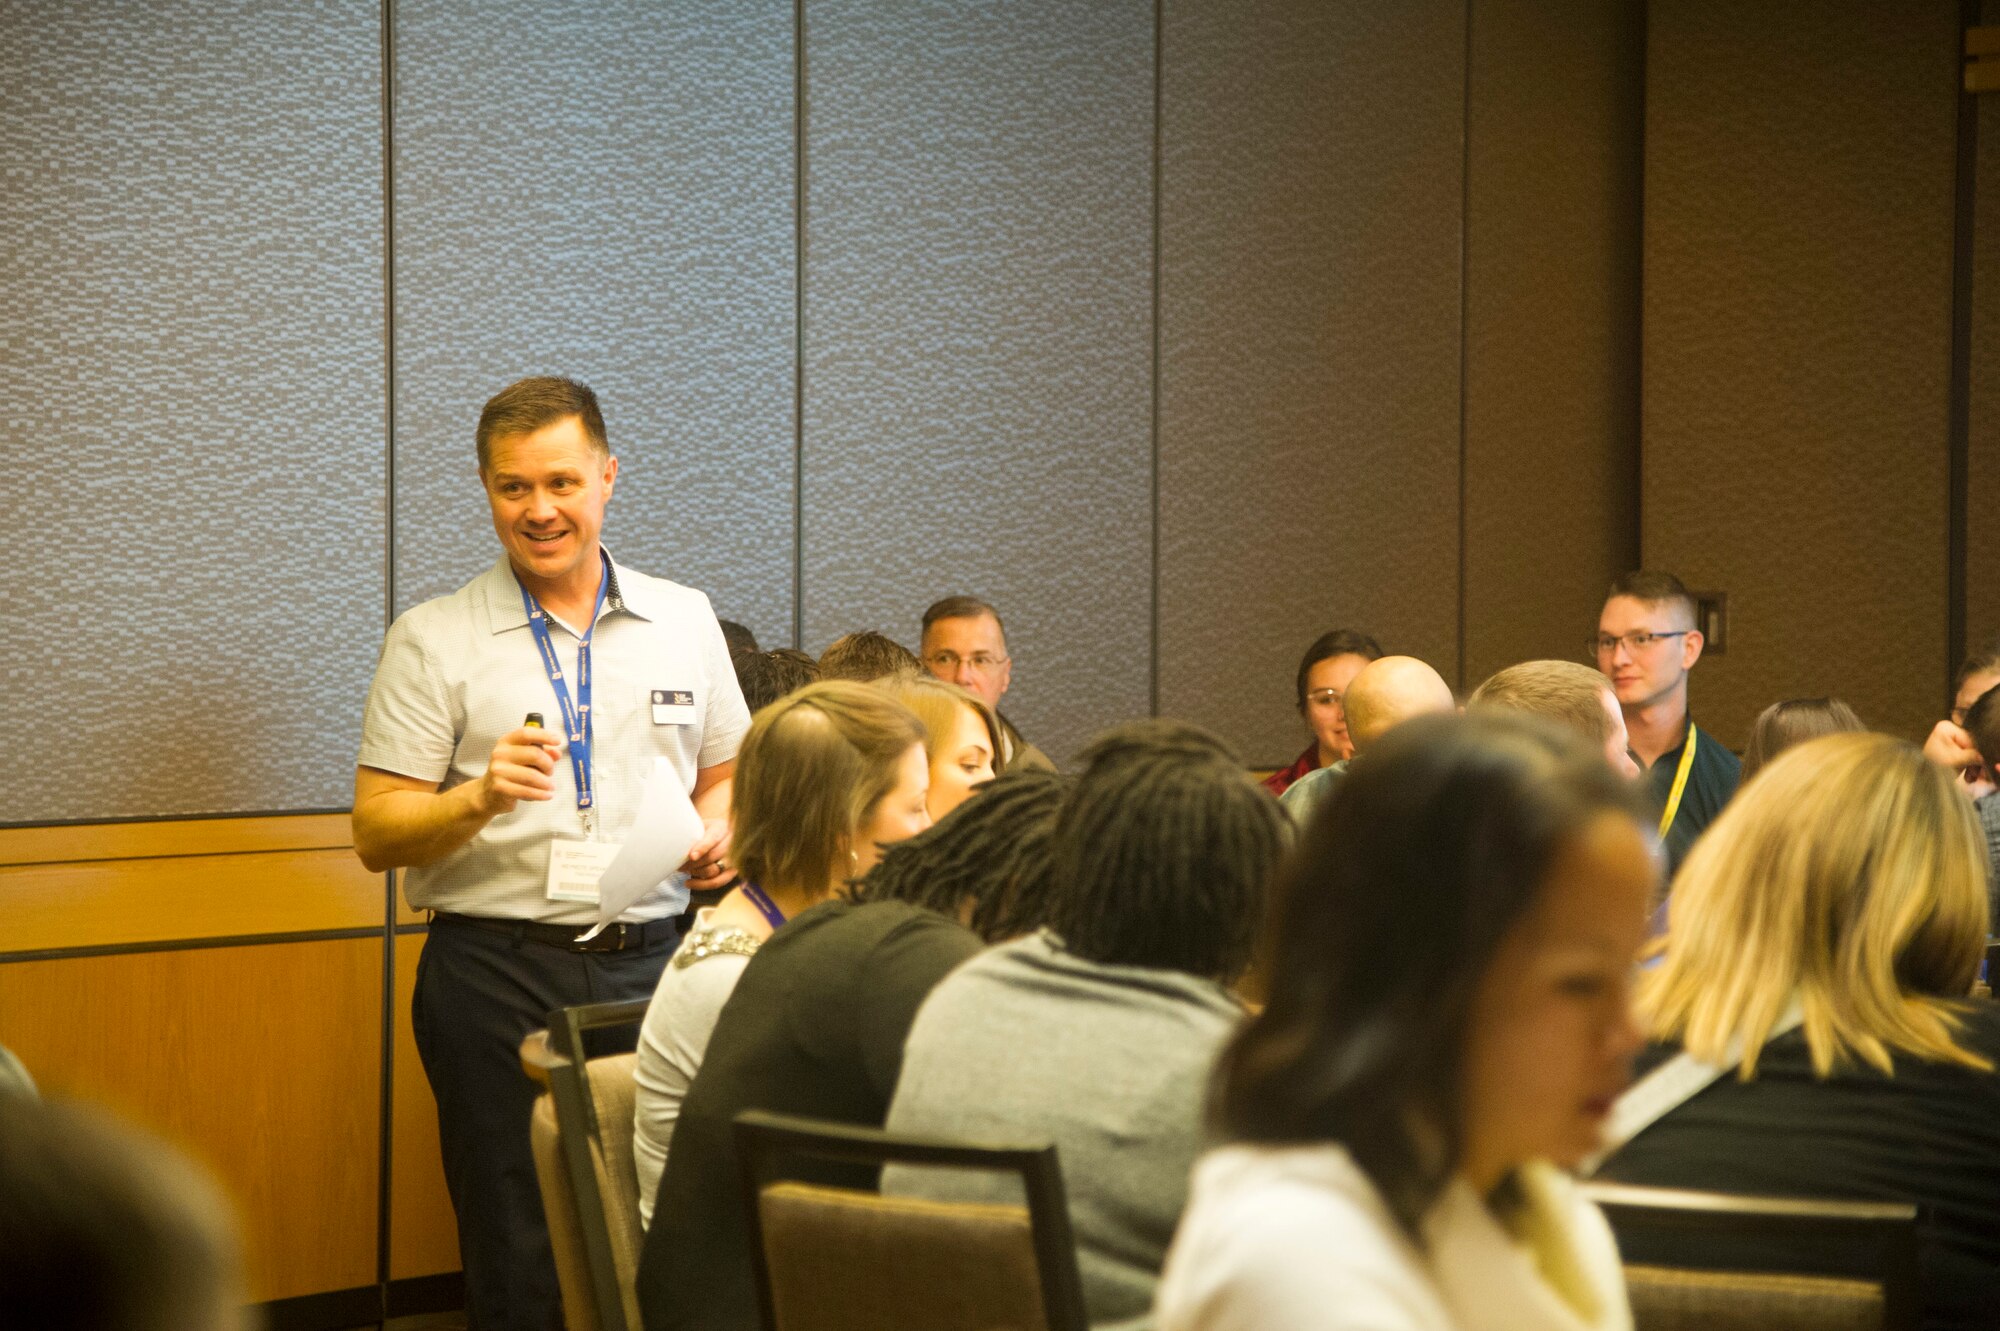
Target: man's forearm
[
  {"x": 712, "y": 801},
  {"x": 408, "y": 829}
]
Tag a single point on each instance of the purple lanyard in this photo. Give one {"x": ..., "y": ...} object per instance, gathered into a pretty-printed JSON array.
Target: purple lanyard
[{"x": 765, "y": 906}]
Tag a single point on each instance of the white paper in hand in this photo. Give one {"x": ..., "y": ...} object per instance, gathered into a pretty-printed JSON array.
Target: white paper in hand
[{"x": 662, "y": 834}]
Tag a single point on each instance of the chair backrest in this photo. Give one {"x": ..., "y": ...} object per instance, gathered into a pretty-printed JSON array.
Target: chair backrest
[
  {"x": 840, "y": 1259},
  {"x": 1766, "y": 1263},
  {"x": 582, "y": 1137}
]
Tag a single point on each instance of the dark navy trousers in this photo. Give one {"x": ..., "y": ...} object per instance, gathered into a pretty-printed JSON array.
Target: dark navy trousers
[{"x": 478, "y": 994}]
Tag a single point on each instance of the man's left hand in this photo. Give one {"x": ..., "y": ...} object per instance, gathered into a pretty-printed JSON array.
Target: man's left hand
[{"x": 707, "y": 865}]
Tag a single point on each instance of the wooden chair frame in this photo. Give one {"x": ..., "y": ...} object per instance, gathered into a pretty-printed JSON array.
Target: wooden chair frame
[
  {"x": 1886, "y": 1231},
  {"x": 762, "y": 1139},
  {"x": 558, "y": 1062}
]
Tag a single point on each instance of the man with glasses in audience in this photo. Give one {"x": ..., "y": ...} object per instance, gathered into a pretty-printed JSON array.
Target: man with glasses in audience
[
  {"x": 1646, "y": 644},
  {"x": 965, "y": 644}
]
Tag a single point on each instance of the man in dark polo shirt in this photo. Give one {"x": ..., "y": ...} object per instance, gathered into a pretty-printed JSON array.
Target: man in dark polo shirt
[{"x": 1646, "y": 644}]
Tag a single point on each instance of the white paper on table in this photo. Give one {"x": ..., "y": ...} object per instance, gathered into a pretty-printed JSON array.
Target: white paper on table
[{"x": 662, "y": 834}]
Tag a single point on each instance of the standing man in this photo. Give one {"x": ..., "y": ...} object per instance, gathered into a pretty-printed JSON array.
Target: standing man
[
  {"x": 504, "y": 824},
  {"x": 965, "y": 644},
  {"x": 1646, "y": 643}
]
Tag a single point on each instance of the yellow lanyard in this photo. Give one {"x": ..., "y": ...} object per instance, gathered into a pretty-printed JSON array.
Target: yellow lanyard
[{"x": 1680, "y": 782}]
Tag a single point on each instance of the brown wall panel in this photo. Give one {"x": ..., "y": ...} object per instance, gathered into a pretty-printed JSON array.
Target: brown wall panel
[
  {"x": 1311, "y": 160},
  {"x": 101, "y": 903},
  {"x": 1982, "y": 499},
  {"x": 423, "y": 1235},
  {"x": 1798, "y": 269},
  {"x": 1551, "y": 322},
  {"x": 262, "y": 1062}
]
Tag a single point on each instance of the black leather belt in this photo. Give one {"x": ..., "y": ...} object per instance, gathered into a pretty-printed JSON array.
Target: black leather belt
[{"x": 615, "y": 938}]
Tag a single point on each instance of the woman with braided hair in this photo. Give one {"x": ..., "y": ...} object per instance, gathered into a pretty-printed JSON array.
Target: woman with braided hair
[
  {"x": 1097, "y": 1032},
  {"x": 816, "y": 1027}
]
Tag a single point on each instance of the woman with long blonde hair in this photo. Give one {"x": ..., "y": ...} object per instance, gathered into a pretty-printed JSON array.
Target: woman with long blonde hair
[
  {"x": 961, "y": 737},
  {"x": 1813, "y": 1034}
]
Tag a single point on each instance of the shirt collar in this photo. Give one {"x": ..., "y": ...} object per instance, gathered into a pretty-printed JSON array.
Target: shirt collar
[{"x": 504, "y": 611}]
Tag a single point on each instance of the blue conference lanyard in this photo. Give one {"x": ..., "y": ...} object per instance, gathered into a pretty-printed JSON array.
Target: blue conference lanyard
[
  {"x": 575, "y": 713},
  {"x": 765, "y": 906}
]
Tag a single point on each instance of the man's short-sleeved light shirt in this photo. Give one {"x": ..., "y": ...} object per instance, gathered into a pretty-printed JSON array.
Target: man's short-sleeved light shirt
[{"x": 459, "y": 672}]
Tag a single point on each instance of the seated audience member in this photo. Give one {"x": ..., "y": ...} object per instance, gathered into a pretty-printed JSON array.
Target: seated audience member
[
  {"x": 825, "y": 778},
  {"x": 1979, "y": 674},
  {"x": 1982, "y": 727},
  {"x": 1448, "y": 1024},
  {"x": 1948, "y": 744},
  {"x": 817, "y": 1024},
  {"x": 738, "y": 637},
  {"x": 960, "y": 736},
  {"x": 1786, "y": 724},
  {"x": 102, "y": 1229},
  {"x": 1098, "y": 1032},
  {"x": 1325, "y": 671},
  {"x": 1646, "y": 644},
  {"x": 964, "y": 643},
  {"x": 1574, "y": 697},
  {"x": 1820, "y": 945},
  {"x": 866, "y": 657},
  {"x": 766, "y": 677},
  {"x": 1383, "y": 695}
]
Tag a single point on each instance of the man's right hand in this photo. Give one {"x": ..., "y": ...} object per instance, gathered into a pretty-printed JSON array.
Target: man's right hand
[{"x": 522, "y": 767}]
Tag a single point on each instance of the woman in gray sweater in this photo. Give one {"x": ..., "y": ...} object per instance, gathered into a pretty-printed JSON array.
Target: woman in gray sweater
[{"x": 1098, "y": 1033}]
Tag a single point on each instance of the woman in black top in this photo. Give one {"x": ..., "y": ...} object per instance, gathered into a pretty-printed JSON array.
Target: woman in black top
[{"x": 1826, "y": 932}]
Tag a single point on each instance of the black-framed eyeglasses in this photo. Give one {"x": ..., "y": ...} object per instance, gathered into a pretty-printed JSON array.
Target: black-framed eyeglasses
[{"x": 1638, "y": 640}]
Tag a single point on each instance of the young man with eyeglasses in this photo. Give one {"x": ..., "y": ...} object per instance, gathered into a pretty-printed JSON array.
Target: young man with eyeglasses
[
  {"x": 1646, "y": 643},
  {"x": 965, "y": 644}
]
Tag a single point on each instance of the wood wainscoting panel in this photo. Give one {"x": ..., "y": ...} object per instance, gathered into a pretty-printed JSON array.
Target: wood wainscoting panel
[
  {"x": 263, "y": 1062},
  {"x": 174, "y": 836},
  {"x": 423, "y": 1233},
  {"x": 108, "y": 902}
]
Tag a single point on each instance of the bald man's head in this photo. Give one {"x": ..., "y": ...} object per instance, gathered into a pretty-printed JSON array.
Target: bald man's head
[{"x": 1389, "y": 692}]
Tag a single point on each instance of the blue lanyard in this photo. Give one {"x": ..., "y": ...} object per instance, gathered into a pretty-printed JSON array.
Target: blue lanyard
[
  {"x": 575, "y": 714},
  {"x": 765, "y": 906}
]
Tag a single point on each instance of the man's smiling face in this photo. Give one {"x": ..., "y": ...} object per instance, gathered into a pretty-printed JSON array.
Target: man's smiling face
[{"x": 548, "y": 489}]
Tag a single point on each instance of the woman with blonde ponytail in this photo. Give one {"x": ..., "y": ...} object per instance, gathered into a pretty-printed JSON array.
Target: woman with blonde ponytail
[{"x": 1813, "y": 1034}]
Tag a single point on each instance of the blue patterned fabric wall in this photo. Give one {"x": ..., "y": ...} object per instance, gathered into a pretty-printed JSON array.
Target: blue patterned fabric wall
[{"x": 192, "y": 376}]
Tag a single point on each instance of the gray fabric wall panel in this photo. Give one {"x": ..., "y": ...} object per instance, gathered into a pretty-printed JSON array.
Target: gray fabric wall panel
[
  {"x": 1798, "y": 268},
  {"x": 1552, "y": 322},
  {"x": 190, "y": 267},
  {"x": 1309, "y": 326},
  {"x": 603, "y": 191},
  {"x": 977, "y": 336}
]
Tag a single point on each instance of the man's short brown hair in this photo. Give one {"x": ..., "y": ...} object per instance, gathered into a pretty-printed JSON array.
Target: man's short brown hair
[
  {"x": 961, "y": 607},
  {"x": 1564, "y": 692},
  {"x": 1655, "y": 589},
  {"x": 526, "y": 405},
  {"x": 866, "y": 657}
]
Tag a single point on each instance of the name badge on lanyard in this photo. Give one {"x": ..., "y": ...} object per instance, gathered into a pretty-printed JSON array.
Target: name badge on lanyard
[{"x": 574, "y": 867}]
